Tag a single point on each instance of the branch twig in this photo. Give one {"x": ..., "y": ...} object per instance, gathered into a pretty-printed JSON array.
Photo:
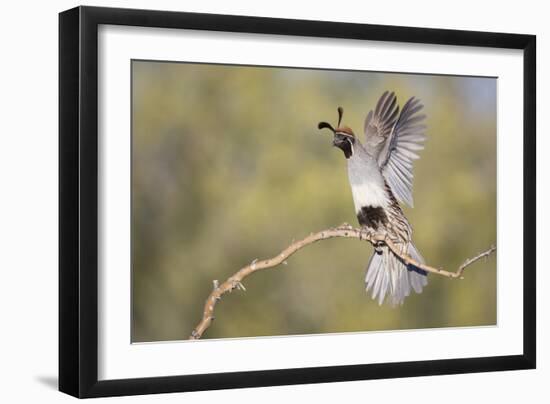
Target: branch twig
[
  {"x": 345, "y": 230},
  {"x": 470, "y": 261}
]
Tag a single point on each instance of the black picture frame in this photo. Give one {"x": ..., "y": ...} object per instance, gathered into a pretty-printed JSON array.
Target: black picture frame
[{"x": 78, "y": 200}]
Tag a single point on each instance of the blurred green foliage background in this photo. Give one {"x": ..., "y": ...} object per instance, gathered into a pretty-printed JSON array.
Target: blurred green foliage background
[{"x": 228, "y": 166}]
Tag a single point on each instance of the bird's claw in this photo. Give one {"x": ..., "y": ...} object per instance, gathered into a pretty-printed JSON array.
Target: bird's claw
[{"x": 379, "y": 242}]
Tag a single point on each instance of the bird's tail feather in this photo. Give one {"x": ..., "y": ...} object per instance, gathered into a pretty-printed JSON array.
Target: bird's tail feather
[{"x": 388, "y": 274}]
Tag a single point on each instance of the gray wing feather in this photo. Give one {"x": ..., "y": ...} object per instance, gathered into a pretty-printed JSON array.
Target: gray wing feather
[
  {"x": 399, "y": 151},
  {"x": 380, "y": 122}
]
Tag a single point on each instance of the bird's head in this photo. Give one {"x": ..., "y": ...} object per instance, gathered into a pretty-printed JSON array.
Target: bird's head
[{"x": 344, "y": 137}]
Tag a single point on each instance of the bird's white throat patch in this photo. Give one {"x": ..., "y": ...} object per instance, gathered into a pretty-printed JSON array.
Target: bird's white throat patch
[{"x": 369, "y": 193}]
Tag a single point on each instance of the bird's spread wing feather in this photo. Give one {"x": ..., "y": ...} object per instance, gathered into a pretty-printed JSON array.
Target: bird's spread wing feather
[
  {"x": 396, "y": 156},
  {"x": 380, "y": 122}
]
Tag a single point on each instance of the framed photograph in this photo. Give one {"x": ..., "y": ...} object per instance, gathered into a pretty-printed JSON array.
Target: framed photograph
[{"x": 238, "y": 197}]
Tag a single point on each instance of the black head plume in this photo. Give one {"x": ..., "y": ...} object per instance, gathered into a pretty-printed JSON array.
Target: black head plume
[{"x": 326, "y": 125}]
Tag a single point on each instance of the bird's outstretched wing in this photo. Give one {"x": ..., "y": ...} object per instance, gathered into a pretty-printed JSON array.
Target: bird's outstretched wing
[
  {"x": 399, "y": 151},
  {"x": 394, "y": 140},
  {"x": 380, "y": 122}
]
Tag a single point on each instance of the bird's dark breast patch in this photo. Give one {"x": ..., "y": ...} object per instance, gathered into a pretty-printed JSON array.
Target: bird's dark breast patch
[{"x": 372, "y": 216}]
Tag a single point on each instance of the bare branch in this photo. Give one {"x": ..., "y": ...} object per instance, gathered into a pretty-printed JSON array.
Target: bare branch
[
  {"x": 470, "y": 261},
  {"x": 346, "y": 231}
]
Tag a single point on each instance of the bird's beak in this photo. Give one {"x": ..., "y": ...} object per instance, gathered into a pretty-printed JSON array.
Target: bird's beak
[{"x": 337, "y": 141}]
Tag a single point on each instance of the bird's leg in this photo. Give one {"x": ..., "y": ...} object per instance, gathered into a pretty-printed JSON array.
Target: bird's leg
[
  {"x": 370, "y": 234},
  {"x": 365, "y": 233},
  {"x": 380, "y": 243}
]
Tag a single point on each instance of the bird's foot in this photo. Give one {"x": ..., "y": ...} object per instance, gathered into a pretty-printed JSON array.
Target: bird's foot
[
  {"x": 365, "y": 234},
  {"x": 379, "y": 242},
  {"x": 345, "y": 226}
]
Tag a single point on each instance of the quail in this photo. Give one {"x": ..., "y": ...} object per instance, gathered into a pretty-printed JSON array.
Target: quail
[{"x": 380, "y": 176}]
